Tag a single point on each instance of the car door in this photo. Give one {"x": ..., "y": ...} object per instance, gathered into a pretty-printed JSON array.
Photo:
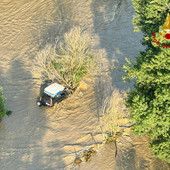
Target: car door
[{"x": 57, "y": 98}]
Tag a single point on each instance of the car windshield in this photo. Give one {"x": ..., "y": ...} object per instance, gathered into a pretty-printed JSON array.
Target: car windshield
[{"x": 46, "y": 97}]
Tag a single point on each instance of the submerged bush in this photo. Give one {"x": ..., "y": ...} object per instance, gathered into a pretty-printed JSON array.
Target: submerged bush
[
  {"x": 69, "y": 62},
  {"x": 113, "y": 113}
]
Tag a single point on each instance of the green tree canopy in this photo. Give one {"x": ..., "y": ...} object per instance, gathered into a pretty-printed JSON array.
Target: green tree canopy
[
  {"x": 149, "y": 100},
  {"x": 3, "y": 111}
]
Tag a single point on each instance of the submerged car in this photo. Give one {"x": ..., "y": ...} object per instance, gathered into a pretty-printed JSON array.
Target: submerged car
[{"x": 52, "y": 94}]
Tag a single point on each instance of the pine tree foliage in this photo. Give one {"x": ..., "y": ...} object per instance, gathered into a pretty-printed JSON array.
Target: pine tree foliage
[
  {"x": 149, "y": 100},
  {"x": 150, "y": 14}
]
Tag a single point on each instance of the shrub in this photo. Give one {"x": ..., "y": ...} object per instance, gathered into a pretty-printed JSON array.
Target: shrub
[
  {"x": 70, "y": 61},
  {"x": 113, "y": 113}
]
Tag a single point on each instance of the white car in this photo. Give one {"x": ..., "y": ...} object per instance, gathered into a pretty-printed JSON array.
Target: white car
[{"x": 52, "y": 94}]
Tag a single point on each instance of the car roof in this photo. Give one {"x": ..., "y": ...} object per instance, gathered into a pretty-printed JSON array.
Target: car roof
[{"x": 54, "y": 89}]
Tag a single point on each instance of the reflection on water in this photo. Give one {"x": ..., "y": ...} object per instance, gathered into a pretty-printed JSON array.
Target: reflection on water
[{"x": 41, "y": 138}]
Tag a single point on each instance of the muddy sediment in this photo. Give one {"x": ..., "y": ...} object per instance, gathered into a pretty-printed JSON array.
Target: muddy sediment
[{"x": 47, "y": 138}]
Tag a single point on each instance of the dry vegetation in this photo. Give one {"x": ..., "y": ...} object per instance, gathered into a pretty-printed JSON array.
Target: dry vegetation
[
  {"x": 69, "y": 62},
  {"x": 113, "y": 115},
  {"x": 113, "y": 118}
]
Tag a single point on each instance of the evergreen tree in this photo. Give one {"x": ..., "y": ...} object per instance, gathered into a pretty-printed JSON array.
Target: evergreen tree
[{"x": 149, "y": 100}]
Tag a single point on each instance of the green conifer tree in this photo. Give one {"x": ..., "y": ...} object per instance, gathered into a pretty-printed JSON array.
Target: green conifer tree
[{"x": 149, "y": 100}]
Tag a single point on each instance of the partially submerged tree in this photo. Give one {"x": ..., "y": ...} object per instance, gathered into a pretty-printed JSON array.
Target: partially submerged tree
[
  {"x": 69, "y": 62},
  {"x": 149, "y": 100},
  {"x": 3, "y": 110}
]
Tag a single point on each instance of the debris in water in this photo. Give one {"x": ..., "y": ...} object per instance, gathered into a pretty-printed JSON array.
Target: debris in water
[
  {"x": 88, "y": 154},
  {"x": 77, "y": 161}
]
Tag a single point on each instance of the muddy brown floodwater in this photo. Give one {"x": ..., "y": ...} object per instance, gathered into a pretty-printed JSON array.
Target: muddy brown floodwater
[{"x": 47, "y": 138}]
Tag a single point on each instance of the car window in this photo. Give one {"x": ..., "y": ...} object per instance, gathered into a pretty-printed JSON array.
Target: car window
[
  {"x": 58, "y": 95},
  {"x": 46, "y": 97}
]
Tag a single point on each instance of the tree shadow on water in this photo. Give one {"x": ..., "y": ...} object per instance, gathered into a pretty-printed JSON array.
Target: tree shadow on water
[
  {"x": 128, "y": 160},
  {"x": 22, "y": 134},
  {"x": 113, "y": 25},
  {"x": 62, "y": 23}
]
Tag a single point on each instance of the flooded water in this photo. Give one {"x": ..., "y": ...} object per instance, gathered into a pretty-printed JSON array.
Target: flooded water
[{"x": 47, "y": 138}]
